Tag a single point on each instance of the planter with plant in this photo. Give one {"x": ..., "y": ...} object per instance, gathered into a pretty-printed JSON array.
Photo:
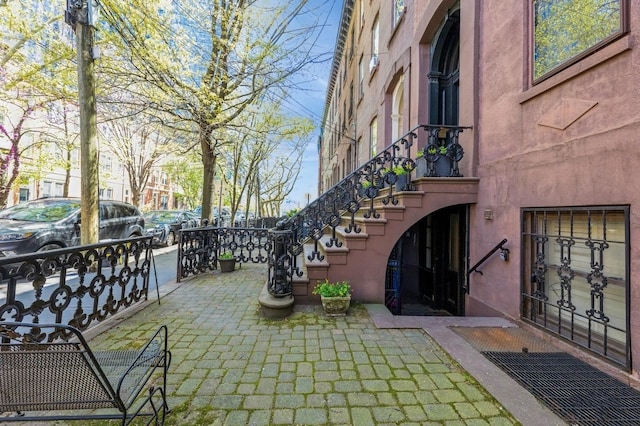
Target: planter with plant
[
  {"x": 335, "y": 297},
  {"x": 227, "y": 262},
  {"x": 439, "y": 158},
  {"x": 422, "y": 167},
  {"x": 402, "y": 178},
  {"x": 367, "y": 190}
]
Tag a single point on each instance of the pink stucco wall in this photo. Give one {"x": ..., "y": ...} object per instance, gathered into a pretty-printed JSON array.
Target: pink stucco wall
[{"x": 571, "y": 140}]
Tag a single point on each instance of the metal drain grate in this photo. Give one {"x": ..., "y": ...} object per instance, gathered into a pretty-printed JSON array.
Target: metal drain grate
[{"x": 577, "y": 392}]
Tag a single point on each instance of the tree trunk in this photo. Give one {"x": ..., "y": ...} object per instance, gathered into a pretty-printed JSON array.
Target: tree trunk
[
  {"x": 67, "y": 174},
  {"x": 135, "y": 198},
  {"x": 208, "y": 171},
  {"x": 89, "y": 170}
]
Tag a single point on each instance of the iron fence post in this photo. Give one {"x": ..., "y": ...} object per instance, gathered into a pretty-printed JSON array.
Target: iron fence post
[{"x": 280, "y": 263}]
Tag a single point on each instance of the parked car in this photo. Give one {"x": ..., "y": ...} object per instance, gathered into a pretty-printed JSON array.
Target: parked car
[
  {"x": 51, "y": 223},
  {"x": 194, "y": 217},
  {"x": 224, "y": 219},
  {"x": 240, "y": 219},
  {"x": 164, "y": 225}
]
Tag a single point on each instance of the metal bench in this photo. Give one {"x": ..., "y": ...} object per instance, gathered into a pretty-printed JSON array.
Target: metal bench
[{"x": 47, "y": 370}]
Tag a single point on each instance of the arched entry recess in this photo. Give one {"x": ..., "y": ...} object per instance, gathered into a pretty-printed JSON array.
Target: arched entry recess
[{"x": 426, "y": 268}]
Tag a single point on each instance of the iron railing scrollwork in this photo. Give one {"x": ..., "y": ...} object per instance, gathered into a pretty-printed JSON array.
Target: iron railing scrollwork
[
  {"x": 199, "y": 248},
  {"x": 375, "y": 183},
  {"x": 578, "y": 265},
  {"x": 383, "y": 176},
  {"x": 281, "y": 262},
  {"x": 443, "y": 151},
  {"x": 78, "y": 286}
]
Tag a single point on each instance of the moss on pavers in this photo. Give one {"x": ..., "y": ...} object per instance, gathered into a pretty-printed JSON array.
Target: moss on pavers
[
  {"x": 311, "y": 416},
  {"x": 230, "y": 366}
]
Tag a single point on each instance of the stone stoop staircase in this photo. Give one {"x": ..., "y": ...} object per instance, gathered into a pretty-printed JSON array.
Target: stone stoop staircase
[{"x": 362, "y": 257}]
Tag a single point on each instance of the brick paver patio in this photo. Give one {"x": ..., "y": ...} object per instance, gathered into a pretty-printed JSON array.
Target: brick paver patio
[{"x": 231, "y": 366}]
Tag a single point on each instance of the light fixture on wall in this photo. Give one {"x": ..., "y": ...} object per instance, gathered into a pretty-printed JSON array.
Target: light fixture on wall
[{"x": 504, "y": 254}]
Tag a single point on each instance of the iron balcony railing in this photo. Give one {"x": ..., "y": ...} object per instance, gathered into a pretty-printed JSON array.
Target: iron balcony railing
[
  {"x": 388, "y": 173},
  {"x": 78, "y": 286}
]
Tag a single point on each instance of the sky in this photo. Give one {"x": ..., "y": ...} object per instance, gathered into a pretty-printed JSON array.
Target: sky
[{"x": 309, "y": 103}]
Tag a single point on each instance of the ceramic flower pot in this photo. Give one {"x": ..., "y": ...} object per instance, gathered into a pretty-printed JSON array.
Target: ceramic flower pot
[{"x": 335, "y": 306}]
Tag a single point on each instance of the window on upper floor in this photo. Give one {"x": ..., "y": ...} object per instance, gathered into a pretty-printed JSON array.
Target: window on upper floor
[
  {"x": 351, "y": 100},
  {"x": 353, "y": 42},
  {"x": 361, "y": 8},
  {"x": 360, "y": 78},
  {"x": 105, "y": 193},
  {"x": 564, "y": 31},
  {"x": 24, "y": 194},
  {"x": 344, "y": 116},
  {"x": 398, "y": 10},
  {"x": 373, "y": 137},
  {"x": 52, "y": 189},
  {"x": 375, "y": 35},
  {"x": 106, "y": 162}
]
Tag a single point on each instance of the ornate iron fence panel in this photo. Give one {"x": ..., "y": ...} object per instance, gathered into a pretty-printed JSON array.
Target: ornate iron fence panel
[
  {"x": 281, "y": 263},
  {"x": 199, "y": 248},
  {"x": 77, "y": 286},
  {"x": 576, "y": 276}
]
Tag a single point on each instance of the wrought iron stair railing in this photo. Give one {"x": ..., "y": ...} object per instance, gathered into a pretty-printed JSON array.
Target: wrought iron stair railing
[
  {"x": 376, "y": 182},
  {"x": 386, "y": 174},
  {"x": 475, "y": 267}
]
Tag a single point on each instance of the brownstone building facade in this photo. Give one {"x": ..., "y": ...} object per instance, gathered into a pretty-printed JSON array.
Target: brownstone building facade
[{"x": 544, "y": 100}]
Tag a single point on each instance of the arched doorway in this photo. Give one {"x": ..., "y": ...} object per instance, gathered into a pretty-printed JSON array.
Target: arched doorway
[
  {"x": 426, "y": 268},
  {"x": 444, "y": 73}
]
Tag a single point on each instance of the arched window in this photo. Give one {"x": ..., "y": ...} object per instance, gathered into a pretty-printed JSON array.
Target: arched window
[
  {"x": 444, "y": 73},
  {"x": 396, "y": 110}
]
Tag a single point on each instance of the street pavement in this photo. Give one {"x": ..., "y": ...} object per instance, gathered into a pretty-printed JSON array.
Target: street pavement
[{"x": 230, "y": 366}]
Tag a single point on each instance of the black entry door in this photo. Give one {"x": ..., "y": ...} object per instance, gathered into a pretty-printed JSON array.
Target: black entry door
[{"x": 442, "y": 260}]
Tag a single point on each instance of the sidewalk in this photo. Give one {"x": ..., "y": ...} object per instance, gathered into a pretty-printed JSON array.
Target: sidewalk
[{"x": 232, "y": 367}]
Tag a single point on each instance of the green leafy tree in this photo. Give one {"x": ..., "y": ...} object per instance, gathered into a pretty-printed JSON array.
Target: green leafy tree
[
  {"x": 36, "y": 70},
  {"x": 200, "y": 65},
  {"x": 185, "y": 171},
  {"x": 269, "y": 134}
]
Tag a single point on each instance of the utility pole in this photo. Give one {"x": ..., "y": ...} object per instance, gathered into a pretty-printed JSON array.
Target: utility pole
[{"x": 82, "y": 16}]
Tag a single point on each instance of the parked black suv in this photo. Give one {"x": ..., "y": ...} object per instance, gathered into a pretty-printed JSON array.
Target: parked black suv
[
  {"x": 164, "y": 225},
  {"x": 50, "y": 223}
]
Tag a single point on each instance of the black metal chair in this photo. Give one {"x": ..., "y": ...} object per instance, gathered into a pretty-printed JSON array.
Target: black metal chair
[{"x": 47, "y": 370}]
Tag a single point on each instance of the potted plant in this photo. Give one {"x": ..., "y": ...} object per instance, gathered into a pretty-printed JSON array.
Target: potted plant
[
  {"x": 367, "y": 190},
  {"x": 402, "y": 178},
  {"x": 421, "y": 164},
  {"x": 335, "y": 297},
  {"x": 439, "y": 156},
  {"x": 227, "y": 262}
]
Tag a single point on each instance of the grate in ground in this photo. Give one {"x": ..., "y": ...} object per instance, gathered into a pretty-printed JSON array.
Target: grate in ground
[{"x": 577, "y": 392}]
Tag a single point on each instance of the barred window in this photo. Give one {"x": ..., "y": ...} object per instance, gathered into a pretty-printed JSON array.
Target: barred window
[{"x": 576, "y": 280}]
